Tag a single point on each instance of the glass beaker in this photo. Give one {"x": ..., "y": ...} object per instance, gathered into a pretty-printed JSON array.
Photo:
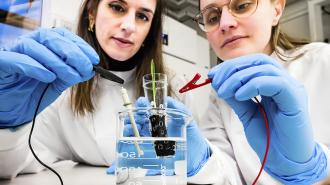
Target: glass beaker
[{"x": 151, "y": 168}]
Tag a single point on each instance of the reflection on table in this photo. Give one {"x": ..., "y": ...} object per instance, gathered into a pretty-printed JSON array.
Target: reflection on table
[{"x": 71, "y": 173}]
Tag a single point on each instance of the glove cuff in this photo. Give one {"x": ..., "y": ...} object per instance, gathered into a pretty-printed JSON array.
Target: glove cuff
[{"x": 302, "y": 173}]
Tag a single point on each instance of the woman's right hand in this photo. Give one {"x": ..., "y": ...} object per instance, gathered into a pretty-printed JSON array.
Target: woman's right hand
[{"x": 46, "y": 56}]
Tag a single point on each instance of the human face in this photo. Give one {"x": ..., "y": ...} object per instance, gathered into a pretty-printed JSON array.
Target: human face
[
  {"x": 121, "y": 26},
  {"x": 237, "y": 36}
]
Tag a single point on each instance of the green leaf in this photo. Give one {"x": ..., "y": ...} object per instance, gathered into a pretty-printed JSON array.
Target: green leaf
[{"x": 153, "y": 81}]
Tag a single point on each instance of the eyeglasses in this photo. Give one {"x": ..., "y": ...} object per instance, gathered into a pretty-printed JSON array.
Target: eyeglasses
[{"x": 209, "y": 18}]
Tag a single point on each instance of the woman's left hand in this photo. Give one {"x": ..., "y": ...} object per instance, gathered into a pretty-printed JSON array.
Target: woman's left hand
[{"x": 284, "y": 99}]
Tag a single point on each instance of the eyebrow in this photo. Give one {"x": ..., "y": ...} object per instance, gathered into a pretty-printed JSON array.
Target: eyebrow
[
  {"x": 147, "y": 10},
  {"x": 143, "y": 9},
  {"x": 209, "y": 6},
  {"x": 214, "y": 4}
]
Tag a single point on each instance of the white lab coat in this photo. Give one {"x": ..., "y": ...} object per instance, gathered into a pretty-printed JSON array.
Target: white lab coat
[
  {"x": 223, "y": 128},
  {"x": 60, "y": 135}
]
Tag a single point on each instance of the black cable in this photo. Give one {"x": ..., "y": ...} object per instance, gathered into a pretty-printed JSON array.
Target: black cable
[{"x": 31, "y": 131}]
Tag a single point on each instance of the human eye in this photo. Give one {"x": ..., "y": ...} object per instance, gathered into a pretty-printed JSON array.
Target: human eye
[
  {"x": 117, "y": 8},
  {"x": 242, "y": 6},
  {"x": 211, "y": 17},
  {"x": 142, "y": 16}
]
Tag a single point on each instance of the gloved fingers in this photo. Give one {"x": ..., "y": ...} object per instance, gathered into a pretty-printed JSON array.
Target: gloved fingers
[
  {"x": 226, "y": 69},
  {"x": 166, "y": 172},
  {"x": 112, "y": 168},
  {"x": 139, "y": 118},
  {"x": 66, "y": 50},
  {"x": 269, "y": 86},
  {"x": 230, "y": 85},
  {"x": 128, "y": 130},
  {"x": 245, "y": 110},
  {"x": 81, "y": 43},
  {"x": 12, "y": 63},
  {"x": 142, "y": 126},
  {"x": 142, "y": 102},
  {"x": 285, "y": 94},
  {"x": 256, "y": 131},
  {"x": 142, "y": 120},
  {"x": 175, "y": 104},
  {"x": 49, "y": 60},
  {"x": 176, "y": 119}
]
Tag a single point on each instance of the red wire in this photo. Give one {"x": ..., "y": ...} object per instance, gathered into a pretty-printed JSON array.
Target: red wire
[{"x": 262, "y": 110}]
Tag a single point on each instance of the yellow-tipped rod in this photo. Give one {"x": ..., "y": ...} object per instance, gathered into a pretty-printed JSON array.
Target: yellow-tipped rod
[{"x": 129, "y": 107}]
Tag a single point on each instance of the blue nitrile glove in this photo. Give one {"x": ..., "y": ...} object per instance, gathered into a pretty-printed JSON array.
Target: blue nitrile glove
[
  {"x": 112, "y": 168},
  {"x": 198, "y": 151},
  {"x": 54, "y": 56},
  {"x": 293, "y": 155}
]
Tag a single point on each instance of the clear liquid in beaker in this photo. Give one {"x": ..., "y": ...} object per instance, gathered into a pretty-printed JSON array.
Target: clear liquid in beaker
[{"x": 150, "y": 169}]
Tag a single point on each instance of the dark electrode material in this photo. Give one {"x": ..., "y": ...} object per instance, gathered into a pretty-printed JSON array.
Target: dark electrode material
[
  {"x": 158, "y": 129},
  {"x": 108, "y": 75}
]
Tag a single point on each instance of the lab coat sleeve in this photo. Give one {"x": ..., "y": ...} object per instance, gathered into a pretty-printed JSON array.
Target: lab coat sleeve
[
  {"x": 15, "y": 155},
  {"x": 219, "y": 169},
  {"x": 14, "y": 151}
]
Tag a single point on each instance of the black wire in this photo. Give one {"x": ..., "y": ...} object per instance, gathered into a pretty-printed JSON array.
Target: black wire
[{"x": 31, "y": 131}]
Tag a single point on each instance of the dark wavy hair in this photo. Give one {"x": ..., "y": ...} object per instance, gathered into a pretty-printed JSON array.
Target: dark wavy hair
[{"x": 81, "y": 94}]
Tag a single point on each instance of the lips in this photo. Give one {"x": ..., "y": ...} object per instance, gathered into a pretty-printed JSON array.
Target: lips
[
  {"x": 232, "y": 39},
  {"x": 121, "y": 42}
]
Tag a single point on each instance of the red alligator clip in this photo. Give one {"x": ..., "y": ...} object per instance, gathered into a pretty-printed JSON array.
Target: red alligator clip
[{"x": 192, "y": 84}]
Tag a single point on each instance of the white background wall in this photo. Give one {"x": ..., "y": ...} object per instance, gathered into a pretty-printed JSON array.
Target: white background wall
[
  {"x": 188, "y": 53},
  {"x": 326, "y": 24},
  {"x": 64, "y": 13},
  {"x": 185, "y": 43},
  {"x": 295, "y": 20},
  {"x": 303, "y": 19}
]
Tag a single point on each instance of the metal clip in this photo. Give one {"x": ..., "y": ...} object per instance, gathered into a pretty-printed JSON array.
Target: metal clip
[{"x": 192, "y": 84}]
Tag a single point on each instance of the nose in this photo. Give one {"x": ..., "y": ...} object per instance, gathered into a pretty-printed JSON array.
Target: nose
[
  {"x": 128, "y": 24},
  {"x": 227, "y": 20}
]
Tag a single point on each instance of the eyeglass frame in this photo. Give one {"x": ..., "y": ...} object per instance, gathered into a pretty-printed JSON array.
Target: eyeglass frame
[{"x": 218, "y": 8}]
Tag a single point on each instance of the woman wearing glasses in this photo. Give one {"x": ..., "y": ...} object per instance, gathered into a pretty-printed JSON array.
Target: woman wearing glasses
[{"x": 258, "y": 60}]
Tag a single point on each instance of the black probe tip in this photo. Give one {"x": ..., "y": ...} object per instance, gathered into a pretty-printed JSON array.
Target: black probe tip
[{"x": 108, "y": 75}]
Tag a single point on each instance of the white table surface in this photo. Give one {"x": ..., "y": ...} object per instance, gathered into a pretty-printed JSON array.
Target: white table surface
[{"x": 71, "y": 173}]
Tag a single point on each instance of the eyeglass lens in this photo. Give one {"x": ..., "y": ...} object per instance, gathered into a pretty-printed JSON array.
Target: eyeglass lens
[{"x": 209, "y": 18}]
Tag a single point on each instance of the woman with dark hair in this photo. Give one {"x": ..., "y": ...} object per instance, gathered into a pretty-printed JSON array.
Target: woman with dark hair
[
  {"x": 78, "y": 123},
  {"x": 259, "y": 63}
]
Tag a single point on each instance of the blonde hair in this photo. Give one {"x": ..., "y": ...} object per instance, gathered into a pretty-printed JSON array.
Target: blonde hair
[{"x": 281, "y": 40}]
